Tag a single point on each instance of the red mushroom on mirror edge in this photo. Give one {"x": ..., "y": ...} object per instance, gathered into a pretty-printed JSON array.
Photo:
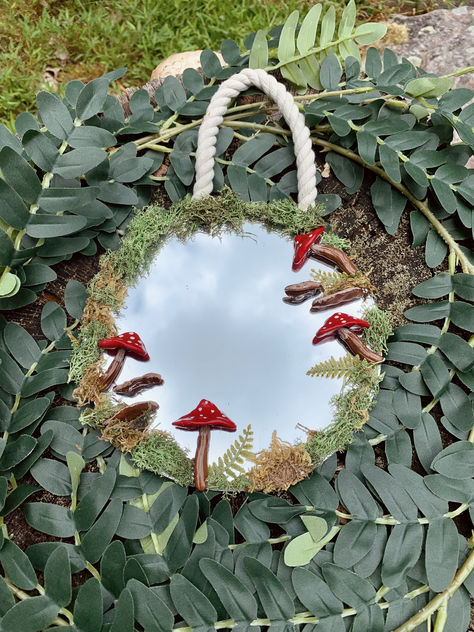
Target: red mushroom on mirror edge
[
  {"x": 120, "y": 346},
  {"x": 308, "y": 245},
  {"x": 345, "y": 328},
  {"x": 204, "y": 418}
]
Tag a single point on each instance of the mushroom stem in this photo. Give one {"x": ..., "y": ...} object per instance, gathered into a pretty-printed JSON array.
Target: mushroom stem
[
  {"x": 338, "y": 298},
  {"x": 333, "y": 255},
  {"x": 306, "y": 287},
  {"x": 297, "y": 300},
  {"x": 200, "y": 459},
  {"x": 137, "y": 385},
  {"x": 113, "y": 371},
  {"x": 356, "y": 345}
]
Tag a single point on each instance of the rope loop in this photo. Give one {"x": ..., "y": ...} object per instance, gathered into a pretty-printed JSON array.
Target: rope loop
[{"x": 207, "y": 137}]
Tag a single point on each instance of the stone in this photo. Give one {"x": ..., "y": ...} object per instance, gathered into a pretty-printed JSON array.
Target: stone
[{"x": 178, "y": 62}]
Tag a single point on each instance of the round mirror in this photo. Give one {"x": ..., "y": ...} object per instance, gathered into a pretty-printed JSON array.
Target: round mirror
[{"x": 212, "y": 318}]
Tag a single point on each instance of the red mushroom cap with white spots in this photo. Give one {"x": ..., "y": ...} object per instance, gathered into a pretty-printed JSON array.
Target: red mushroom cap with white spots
[
  {"x": 130, "y": 341},
  {"x": 205, "y": 414},
  {"x": 302, "y": 244},
  {"x": 338, "y": 321}
]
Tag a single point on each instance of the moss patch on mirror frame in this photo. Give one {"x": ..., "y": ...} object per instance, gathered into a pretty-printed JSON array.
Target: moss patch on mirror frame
[{"x": 158, "y": 451}]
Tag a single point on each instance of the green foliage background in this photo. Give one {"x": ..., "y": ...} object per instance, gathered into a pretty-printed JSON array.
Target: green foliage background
[{"x": 375, "y": 548}]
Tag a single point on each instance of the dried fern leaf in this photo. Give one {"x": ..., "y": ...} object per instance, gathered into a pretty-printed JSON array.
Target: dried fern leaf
[
  {"x": 229, "y": 465},
  {"x": 348, "y": 366}
]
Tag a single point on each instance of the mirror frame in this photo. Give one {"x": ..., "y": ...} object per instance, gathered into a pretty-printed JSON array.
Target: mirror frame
[{"x": 282, "y": 464}]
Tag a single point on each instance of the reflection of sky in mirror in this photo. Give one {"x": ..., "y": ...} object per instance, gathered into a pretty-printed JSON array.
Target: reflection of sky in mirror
[{"x": 212, "y": 318}]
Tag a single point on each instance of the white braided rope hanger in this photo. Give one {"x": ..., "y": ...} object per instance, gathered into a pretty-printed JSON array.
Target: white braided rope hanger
[{"x": 207, "y": 137}]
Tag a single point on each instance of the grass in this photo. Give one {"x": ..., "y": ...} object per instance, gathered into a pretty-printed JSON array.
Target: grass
[{"x": 81, "y": 39}]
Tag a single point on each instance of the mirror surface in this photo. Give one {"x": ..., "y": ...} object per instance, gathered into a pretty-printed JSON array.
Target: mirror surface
[{"x": 211, "y": 316}]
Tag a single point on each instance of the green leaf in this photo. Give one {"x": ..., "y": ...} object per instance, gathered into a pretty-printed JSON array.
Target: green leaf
[
  {"x": 315, "y": 594},
  {"x": 111, "y": 567},
  {"x": 462, "y": 315},
  {"x": 150, "y": 611},
  {"x": 394, "y": 496},
  {"x": 57, "y": 577},
  {"x": 134, "y": 523},
  {"x": 390, "y": 162},
  {"x": 388, "y": 203},
  {"x": 428, "y": 313},
  {"x": 455, "y": 461},
  {"x": 347, "y": 21},
  {"x": 44, "y": 380},
  {"x": 75, "y": 296},
  {"x": 6, "y": 249},
  {"x": 79, "y": 161},
  {"x": 347, "y": 586},
  {"x": 435, "y": 374},
  {"x": 94, "y": 501},
  {"x": 419, "y": 227},
  {"x": 17, "y": 497},
  {"x": 17, "y": 566},
  {"x": 19, "y": 174},
  {"x": 428, "y": 87},
  {"x": 330, "y": 74},
  {"x": 230, "y": 52},
  {"x": 65, "y": 437},
  {"x": 91, "y": 136},
  {"x": 54, "y": 520},
  {"x": 301, "y": 550},
  {"x": 123, "y": 613},
  {"x": 192, "y": 605},
  {"x": 55, "y": 200},
  {"x": 354, "y": 542},
  {"x": 91, "y": 98},
  {"x": 21, "y": 345},
  {"x": 88, "y": 607},
  {"x": 435, "y": 249},
  {"x": 308, "y": 29},
  {"x": 12, "y": 210},
  {"x": 368, "y": 33},
  {"x": 10, "y": 373},
  {"x": 355, "y": 496},
  {"x": 427, "y": 440},
  {"x": 32, "y": 615},
  {"x": 348, "y": 172},
  {"x": 235, "y": 597},
  {"x": 56, "y": 226},
  {"x": 286, "y": 50},
  {"x": 276, "y": 602},
  {"x": 54, "y": 114},
  {"x": 210, "y": 64},
  {"x": 96, "y": 540},
  {"x": 441, "y": 553},
  {"x": 436, "y": 287},
  {"x": 9, "y": 285},
  {"x": 253, "y": 149},
  {"x": 53, "y": 476},
  {"x": 75, "y": 464},
  {"x": 317, "y": 527},
  {"x": 274, "y": 509},
  {"x": 53, "y": 321},
  {"x": 401, "y": 553},
  {"x": 16, "y": 451},
  {"x": 259, "y": 52}
]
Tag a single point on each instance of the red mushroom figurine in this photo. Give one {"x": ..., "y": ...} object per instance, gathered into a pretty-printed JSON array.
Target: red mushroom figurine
[
  {"x": 204, "y": 418},
  {"x": 303, "y": 244},
  {"x": 345, "y": 328},
  {"x": 128, "y": 343}
]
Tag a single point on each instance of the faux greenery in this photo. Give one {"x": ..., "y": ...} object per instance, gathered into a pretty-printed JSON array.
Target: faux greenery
[{"x": 377, "y": 547}]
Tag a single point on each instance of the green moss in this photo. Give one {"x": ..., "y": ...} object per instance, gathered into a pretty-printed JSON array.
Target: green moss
[
  {"x": 351, "y": 408},
  {"x": 86, "y": 351},
  {"x": 380, "y": 328},
  {"x": 161, "y": 454},
  {"x": 95, "y": 417},
  {"x": 331, "y": 239}
]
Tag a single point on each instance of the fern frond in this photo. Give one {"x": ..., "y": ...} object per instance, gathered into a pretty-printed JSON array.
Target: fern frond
[
  {"x": 229, "y": 465},
  {"x": 329, "y": 278},
  {"x": 348, "y": 366},
  {"x": 301, "y": 51}
]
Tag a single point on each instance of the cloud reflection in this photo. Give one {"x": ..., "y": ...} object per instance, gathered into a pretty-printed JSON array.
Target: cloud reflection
[{"x": 212, "y": 318}]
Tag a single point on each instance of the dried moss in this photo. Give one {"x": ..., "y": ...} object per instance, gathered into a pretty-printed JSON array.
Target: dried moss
[
  {"x": 280, "y": 466},
  {"x": 85, "y": 349},
  {"x": 331, "y": 239},
  {"x": 96, "y": 416},
  {"x": 161, "y": 454}
]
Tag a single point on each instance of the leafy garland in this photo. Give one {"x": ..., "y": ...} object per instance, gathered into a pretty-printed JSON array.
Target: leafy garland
[{"x": 378, "y": 549}]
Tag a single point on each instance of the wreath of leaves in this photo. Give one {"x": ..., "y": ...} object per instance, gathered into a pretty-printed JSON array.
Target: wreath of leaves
[{"x": 375, "y": 548}]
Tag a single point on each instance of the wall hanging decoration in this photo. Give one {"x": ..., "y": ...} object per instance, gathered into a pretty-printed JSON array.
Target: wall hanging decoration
[{"x": 110, "y": 520}]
